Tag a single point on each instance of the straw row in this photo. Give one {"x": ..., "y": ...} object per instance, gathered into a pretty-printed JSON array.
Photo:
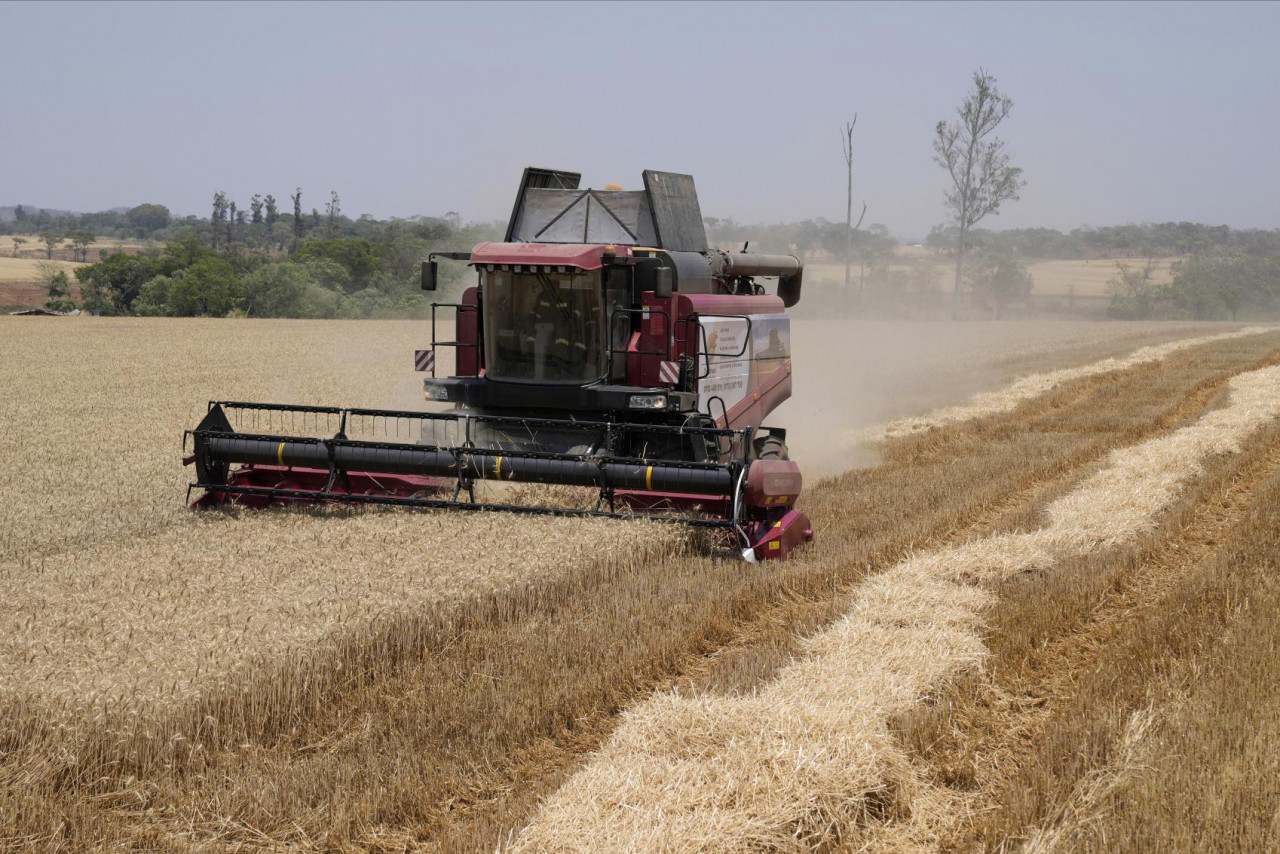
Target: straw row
[
  {"x": 1035, "y": 385},
  {"x": 809, "y": 758}
]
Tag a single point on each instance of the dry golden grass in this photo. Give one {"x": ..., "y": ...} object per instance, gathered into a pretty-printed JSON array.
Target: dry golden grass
[
  {"x": 25, "y": 271},
  {"x": 431, "y": 693},
  {"x": 34, "y": 246},
  {"x": 1085, "y": 278},
  {"x": 20, "y": 276},
  {"x": 812, "y": 752}
]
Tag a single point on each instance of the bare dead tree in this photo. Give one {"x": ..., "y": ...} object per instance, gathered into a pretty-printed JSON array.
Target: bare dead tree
[
  {"x": 846, "y": 143},
  {"x": 981, "y": 177},
  {"x": 1133, "y": 289}
]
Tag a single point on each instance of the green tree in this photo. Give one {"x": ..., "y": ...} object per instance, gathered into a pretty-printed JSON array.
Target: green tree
[
  {"x": 60, "y": 293},
  {"x": 332, "y": 210},
  {"x": 298, "y": 228},
  {"x": 182, "y": 253},
  {"x": 17, "y": 243},
  {"x": 51, "y": 242},
  {"x": 255, "y": 205},
  {"x": 1210, "y": 286},
  {"x": 218, "y": 219},
  {"x": 208, "y": 288},
  {"x": 280, "y": 234},
  {"x": 999, "y": 279},
  {"x": 326, "y": 273},
  {"x": 80, "y": 242},
  {"x": 272, "y": 213},
  {"x": 278, "y": 290},
  {"x": 981, "y": 177},
  {"x": 149, "y": 217},
  {"x": 353, "y": 253},
  {"x": 153, "y": 299},
  {"x": 119, "y": 277}
]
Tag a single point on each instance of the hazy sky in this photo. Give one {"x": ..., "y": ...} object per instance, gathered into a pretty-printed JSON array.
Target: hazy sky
[{"x": 1122, "y": 112}]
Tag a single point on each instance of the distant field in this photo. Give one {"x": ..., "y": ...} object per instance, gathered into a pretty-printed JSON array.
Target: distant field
[
  {"x": 1089, "y": 278},
  {"x": 23, "y": 270},
  {"x": 34, "y": 247},
  {"x": 19, "y": 276},
  {"x": 1082, "y": 278}
]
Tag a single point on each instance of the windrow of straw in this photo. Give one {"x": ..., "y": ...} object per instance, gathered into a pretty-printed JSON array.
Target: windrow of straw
[
  {"x": 809, "y": 758},
  {"x": 1035, "y": 385}
]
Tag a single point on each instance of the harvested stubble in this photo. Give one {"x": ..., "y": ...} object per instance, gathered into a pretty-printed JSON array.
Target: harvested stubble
[
  {"x": 1108, "y": 646},
  {"x": 800, "y": 762},
  {"x": 1035, "y": 385},
  {"x": 1202, "y": 776}
]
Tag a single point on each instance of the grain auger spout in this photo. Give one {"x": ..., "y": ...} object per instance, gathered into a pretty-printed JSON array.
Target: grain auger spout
[{"x": 604, "y": 347}]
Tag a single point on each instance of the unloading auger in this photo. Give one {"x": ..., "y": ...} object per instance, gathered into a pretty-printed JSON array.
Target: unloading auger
[{"x": 605, "y": 346}]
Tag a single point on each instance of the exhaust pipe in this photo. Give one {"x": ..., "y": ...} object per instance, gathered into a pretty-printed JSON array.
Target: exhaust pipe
[{"x": 788, "y": 268}]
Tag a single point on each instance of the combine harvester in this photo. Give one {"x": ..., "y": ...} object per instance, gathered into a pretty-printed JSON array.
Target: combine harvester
[{"x": 605, "y": 345}]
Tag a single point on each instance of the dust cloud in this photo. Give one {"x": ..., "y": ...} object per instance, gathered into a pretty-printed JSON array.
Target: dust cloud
[{"x": 854, "y": 375}]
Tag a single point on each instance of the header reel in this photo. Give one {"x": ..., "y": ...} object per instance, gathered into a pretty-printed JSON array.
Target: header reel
[{"x": 443, "y": 455}]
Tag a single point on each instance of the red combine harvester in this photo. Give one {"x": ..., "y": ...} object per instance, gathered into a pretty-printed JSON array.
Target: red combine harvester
[{"x": 605, "y": 345}]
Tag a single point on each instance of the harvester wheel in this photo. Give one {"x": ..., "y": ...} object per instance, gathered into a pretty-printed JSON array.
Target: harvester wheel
[{"x": 770, "y": 448}]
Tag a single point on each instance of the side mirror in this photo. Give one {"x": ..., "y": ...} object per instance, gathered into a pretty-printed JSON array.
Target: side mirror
[
  {"x": 662, "y": 282},
  {"x": 429, "y": 270}
]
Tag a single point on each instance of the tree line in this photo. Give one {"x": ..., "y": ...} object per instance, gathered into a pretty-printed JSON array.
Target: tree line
[
  {"x": 268, "y": 262},
  {"x": 264, "y": 262},
  {"x": 822, "y": 240},
  {"x": 1204, "y": 286}
]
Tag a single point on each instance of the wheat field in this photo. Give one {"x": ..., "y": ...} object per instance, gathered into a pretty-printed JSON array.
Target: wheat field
[{"x": 938, "y": 671}]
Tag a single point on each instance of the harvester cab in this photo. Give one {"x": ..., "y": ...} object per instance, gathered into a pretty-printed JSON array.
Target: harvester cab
[{"x": 604, "y": 345}]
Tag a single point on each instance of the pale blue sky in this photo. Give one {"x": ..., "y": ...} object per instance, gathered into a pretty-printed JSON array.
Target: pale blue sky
[{"x": 1123, "y": 112}]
